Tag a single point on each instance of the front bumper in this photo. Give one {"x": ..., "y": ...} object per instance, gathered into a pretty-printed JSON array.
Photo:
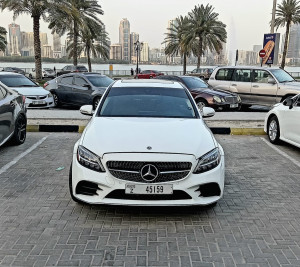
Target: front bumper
[
  {"x": 186, "y": 192},
  {"x": 35, "y": 102}
]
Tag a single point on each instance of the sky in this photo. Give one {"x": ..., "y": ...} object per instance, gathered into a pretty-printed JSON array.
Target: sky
[{"x": 246, "y": 20}]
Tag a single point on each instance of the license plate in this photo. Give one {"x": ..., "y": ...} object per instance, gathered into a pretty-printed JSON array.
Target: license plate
[
  {"x": 38, "y": 102},
  {"x": 234, "y": 105},
  {"x": 139, "y": 189}
]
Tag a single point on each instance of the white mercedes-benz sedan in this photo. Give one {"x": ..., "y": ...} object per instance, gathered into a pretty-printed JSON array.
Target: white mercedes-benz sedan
[
  {"x": 147, "y": 144},
  {"x": 283, "y": 122}
]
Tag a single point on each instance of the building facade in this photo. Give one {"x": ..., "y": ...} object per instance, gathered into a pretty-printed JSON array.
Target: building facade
[
  {"x": 14, "y": 39},
  {"x": 145, "y": 53},
  {"x": 134, "y": 37},
  {"x": 124, "y": 39},
  {"x": 56, "y": 46},
  {"x": 115, "y": 52}
]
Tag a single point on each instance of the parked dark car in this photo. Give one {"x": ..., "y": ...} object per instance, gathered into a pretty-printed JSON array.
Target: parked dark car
[
  {"x": 13, "y": 69},
  {"x": 202, "y": 73},
  {"x": 71, "y": 68},
  {"x": 204, "y": 95},
  {"x": 148, "y": 74},
  {"x": 13, "y": 118},
  {"x": 79, "y": 89}
]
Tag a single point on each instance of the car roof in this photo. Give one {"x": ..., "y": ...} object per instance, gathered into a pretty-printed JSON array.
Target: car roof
[
  {"x": 148, "y": 83},
  {"x": 248, "y": 67},
  {"x": 10, "y": 73}
]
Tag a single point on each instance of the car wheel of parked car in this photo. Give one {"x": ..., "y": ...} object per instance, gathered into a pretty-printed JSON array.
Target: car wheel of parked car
[
  {"x": 273, "y": 130},
  {"x": 19, "y": 135},
  {"x": 70, "y": 187},
  {"x": 201, "y": 103},
  {"x": 56, "y": 100},
  {"x": 96, "y": 102}
]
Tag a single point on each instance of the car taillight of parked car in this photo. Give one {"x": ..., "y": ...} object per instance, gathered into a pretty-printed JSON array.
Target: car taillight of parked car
[{"x": 45, "y": 84}]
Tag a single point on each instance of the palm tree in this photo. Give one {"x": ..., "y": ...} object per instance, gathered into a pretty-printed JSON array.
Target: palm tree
[
  {"x": 72, "y": 17},
  {"x": 37, "y": 9},
  {"x": 288, "y": 12},
  {"x": 207, "y": 32},
  {"x": 3, "y": 42},
  {"x": 176, "y": 42},
  {"x": 93, "y": 40}
]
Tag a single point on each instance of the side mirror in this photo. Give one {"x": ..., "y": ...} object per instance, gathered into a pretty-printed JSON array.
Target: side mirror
[
  {"x": 87, "y": 86},
  {"x": 288, "y": 102},
  {"x": 87, "y": 110},
  {"x": 271, "y": 81},
  {"x": 208, "y": 112}
]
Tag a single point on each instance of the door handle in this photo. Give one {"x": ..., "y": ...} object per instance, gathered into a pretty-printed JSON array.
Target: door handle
[
  {"x": 233, "y": 84},
  {"x": 255, "y": 86}
]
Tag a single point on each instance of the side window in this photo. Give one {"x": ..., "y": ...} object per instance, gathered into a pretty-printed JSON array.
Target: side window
[
  {"x": 80, "y": 81},
  {"x": 67, "y": 80},
  {"x": 224, "y": 74},
  {"x": 69, "y": 68},
  {"x": 261, "y": 76},
  {"x": 242, "y": 75}
]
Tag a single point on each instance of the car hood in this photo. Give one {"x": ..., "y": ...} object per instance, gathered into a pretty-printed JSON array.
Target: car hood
[
  {"x": 129, "y": 135},
  {"x": 28, "y": 91},
  {"x": 291, "y": 85},
  {"x": 213, "y": 92}
]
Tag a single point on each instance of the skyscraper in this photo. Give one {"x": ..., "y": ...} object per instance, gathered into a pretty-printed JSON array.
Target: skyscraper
[
  {"x": 27, "y": 44},
  {"x": 124, "y": 38},
  {"x": 145, "y": 53},
  {"x": 44, "y": 39},
  {"x": 133, "y": 38},
  {"x": 56, "y": 46},
  {"x": 14, "y": 39},
  {"x": 294, "y": 42}
]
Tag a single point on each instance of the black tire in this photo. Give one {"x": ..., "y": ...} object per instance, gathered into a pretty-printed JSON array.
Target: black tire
[
  {"x": 96, "y": 102},
  {"x": 273, "y": 130},
  {"x": 70, "y": 187},
  {"x": 201, "y": 103},
  {"x": 56, "y": 100},
  {"x": 19, "y": 135}
]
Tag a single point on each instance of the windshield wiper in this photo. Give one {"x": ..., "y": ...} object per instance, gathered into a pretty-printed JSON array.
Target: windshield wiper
[
  {"x": 288, "y": 81},
  {"x": 25, "y": 85}
]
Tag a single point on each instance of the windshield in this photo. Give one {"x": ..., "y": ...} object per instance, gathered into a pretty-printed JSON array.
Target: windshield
[
  {"x": 147, "y": 102},
  {"x": 17, "y": 81},
  {"x": 81, "y": 68},
  {"x": 100, "y": 81},
  {"x": 282, "y": 76},
  {"x": 194, "y": 82}
]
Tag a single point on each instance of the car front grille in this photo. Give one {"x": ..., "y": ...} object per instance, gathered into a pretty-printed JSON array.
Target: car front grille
[
  {"x": 36, "y": 97},
  {"x": 131, "y": 170},
  {"x": 231, "y": 99}
]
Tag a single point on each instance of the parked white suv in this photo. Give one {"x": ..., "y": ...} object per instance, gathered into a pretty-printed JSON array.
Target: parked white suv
[{"x": 255, "y": 85}]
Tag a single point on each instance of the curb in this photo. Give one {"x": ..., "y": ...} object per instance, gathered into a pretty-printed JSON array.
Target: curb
[{"x": 80, "y": 129}]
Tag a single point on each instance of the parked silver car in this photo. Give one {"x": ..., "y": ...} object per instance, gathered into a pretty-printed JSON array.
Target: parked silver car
[{"x": 255, "y": 85}]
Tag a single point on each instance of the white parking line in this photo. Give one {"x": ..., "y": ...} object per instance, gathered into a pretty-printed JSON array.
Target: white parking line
[
  {"x": 16, "y": 159},
  {"x": 296, "y": 162}
]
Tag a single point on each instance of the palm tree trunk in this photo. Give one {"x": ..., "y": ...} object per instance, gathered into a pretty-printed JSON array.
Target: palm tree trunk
[
  {"x": 75, "y": 44},
  {"x": 287, "y": 33},
  {"x": 184, "y": 63},
  {"x": 37, "y": 48},
  {"x": 89, "y": 58},
  {"x": 199, "y": 53}
]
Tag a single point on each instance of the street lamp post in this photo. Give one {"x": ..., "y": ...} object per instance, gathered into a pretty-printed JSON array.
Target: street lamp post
[{"x": 138, "y": 48}]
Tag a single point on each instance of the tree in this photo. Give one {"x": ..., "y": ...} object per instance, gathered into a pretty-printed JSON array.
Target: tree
[
  {"x": 3, "y": 42},
  {"x": 37, "y": 9},
  {"x": 92, "y": 40},
  {"x": 176, "y": 42},
  {"x": 288, "y": 12},
  {"x": 207, "y": 32},
  {"x": 71, "y": 17}
]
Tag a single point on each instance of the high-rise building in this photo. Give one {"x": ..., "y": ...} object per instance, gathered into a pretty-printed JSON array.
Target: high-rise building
[
  {"x": 27, "y": 44},
  {"x": 124, "y": 39},
  {"x": 294, "y": 42},
  {"x": 133, "y": 38},
  {"x": 115, "y": 52},
  {"x": 145, "y": 53},
  {"x": 56, "y": 46},
  {"x": 170, "y": 30},
  {"x": 47, "y": 51},
  {"x": 44, "y": 39},
  {"x": 14, "y": 39}
]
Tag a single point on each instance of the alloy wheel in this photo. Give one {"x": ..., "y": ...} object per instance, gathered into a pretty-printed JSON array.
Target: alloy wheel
[
  {"x": 273, "y": 130},
  {"x": 21, "y": 129}
]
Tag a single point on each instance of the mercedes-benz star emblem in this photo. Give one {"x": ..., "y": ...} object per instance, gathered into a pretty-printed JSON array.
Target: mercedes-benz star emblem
[
  {"x": 149, "y": 172},
  {"x": 149, "y": 147}
]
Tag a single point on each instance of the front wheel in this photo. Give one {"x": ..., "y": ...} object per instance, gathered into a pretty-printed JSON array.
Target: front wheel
[
  {"x": 19, "y": 135},
  {"x": 56, "y": 100},
  {"x": 96, "y": 102},
  {"x": 273, "y": 130}
]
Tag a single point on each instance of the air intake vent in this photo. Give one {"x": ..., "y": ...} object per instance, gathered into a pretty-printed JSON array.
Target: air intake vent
[{"x": 87, "y": 188}]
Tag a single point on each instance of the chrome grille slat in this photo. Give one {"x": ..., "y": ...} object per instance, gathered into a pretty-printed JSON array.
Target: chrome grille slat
[
  {"x": 130, "y": 170},
  {"x": 231, "y": 99}
]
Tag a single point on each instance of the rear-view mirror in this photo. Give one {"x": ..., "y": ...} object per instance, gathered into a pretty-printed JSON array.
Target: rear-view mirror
[
  {"x": 207, "y": 112},
  {"x": 288, "y": 102},
  {"x": 87, "y": 110}
]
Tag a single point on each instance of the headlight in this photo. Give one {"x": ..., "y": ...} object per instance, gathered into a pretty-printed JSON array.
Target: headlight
[
  {"x": 239, "y": 98},
  {"x": 217, "y": 99},
  {"x": 209, "y": 161},
  {"x": 89, "y": 160},
  {"x": 50, "y": 95}
]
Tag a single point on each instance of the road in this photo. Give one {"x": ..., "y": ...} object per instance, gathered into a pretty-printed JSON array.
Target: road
[{"x": 256, "y": 223}]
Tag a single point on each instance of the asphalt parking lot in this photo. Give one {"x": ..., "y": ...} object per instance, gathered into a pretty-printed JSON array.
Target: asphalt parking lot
[{"x": 257, "y": 223}]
